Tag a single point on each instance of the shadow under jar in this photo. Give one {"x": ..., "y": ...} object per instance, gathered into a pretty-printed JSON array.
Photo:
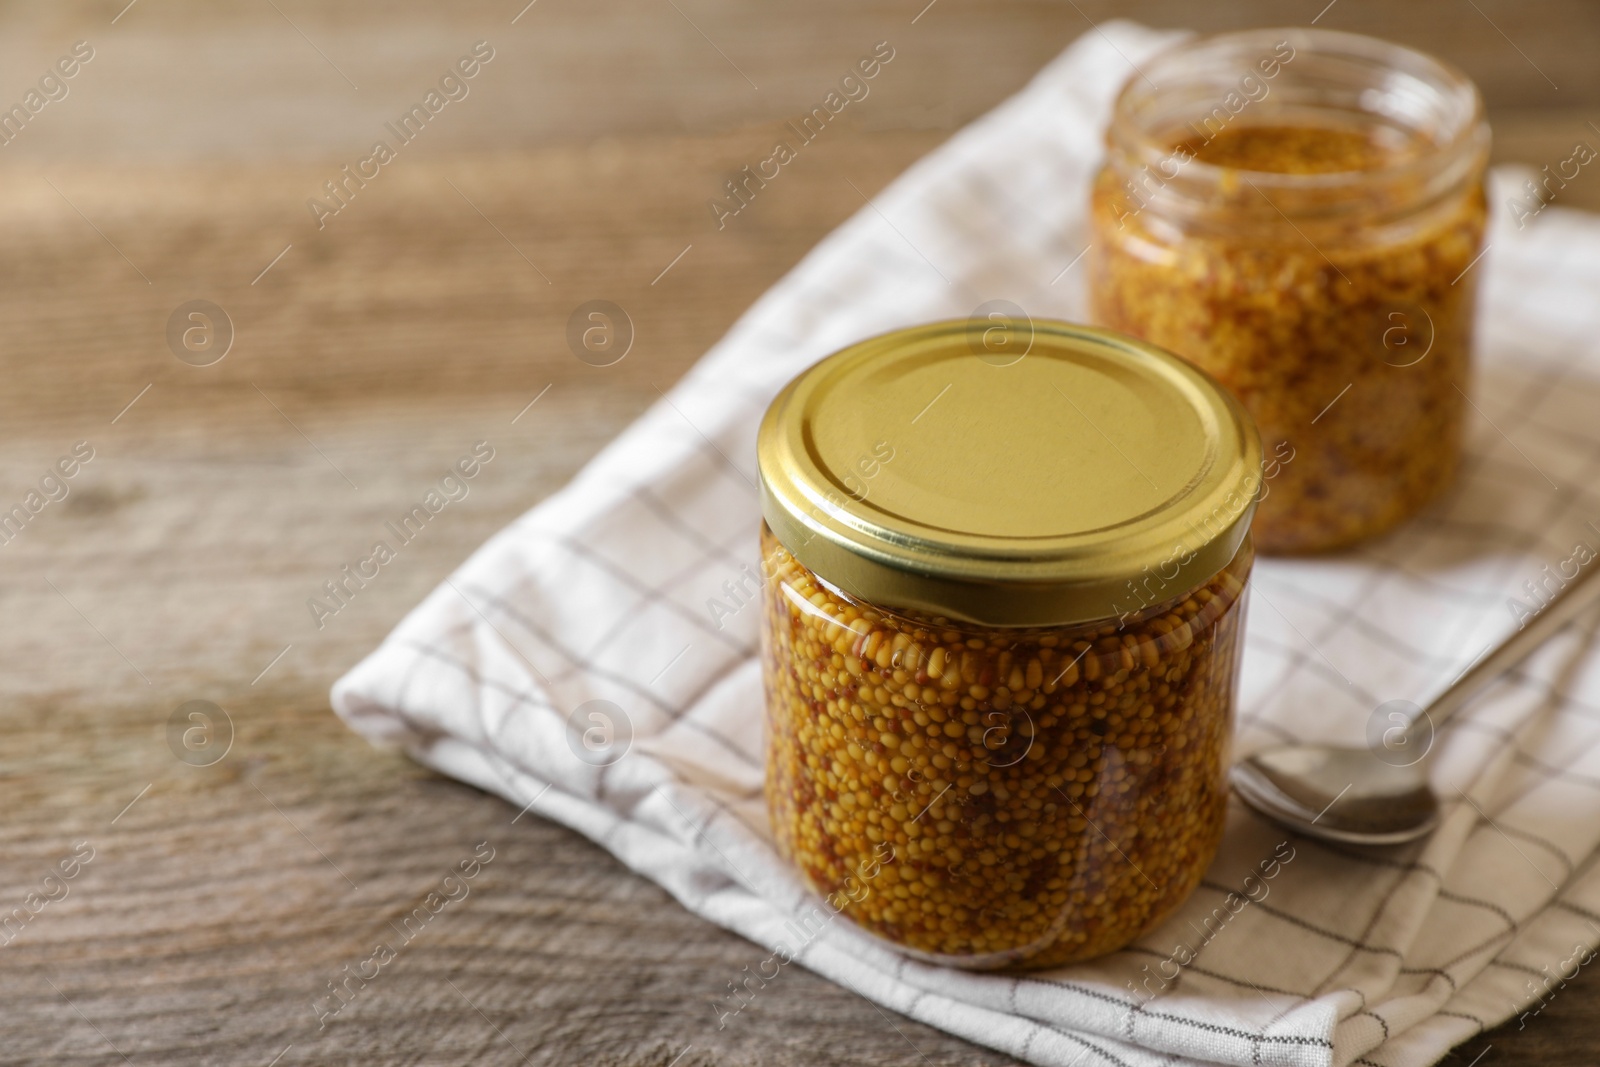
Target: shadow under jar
[
  {"x": 1003, "y": 598},
  {"x": 1300, "y": 212}
]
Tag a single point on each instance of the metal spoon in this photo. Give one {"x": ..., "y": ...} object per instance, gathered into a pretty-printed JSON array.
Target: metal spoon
[{"x": 1362, "y": 796}]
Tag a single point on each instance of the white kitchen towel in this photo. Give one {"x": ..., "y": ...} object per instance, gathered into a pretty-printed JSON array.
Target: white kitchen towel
[{"x": 632, "y": 587}]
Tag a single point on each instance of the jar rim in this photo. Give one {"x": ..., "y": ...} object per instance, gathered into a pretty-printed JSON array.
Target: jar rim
[
  {"x": 1388, "y": 81},
  {"x": 1016, "y": 506}
]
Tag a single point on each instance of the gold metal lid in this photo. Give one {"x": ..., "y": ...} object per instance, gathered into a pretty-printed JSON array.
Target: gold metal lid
[{"x": 934, "y": 469}]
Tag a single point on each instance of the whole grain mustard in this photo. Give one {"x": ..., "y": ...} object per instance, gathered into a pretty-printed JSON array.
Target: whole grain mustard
[
  {"x": 1316, "y": 255},
  {"x": 1047, "y": 794},
  {"x": 1002, "y": 682}
]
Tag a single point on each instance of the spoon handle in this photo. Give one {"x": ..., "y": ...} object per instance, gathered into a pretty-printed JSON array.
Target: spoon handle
[{"x": 1579, "y": 593}]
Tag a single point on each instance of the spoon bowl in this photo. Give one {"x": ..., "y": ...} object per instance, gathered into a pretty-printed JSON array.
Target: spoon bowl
[{"x": 1338, "y": 794}]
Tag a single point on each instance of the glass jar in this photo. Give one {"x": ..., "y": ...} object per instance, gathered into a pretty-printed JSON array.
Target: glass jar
[
  {"x": 1003, "y": 598},
  {"x": 1300, "y": 212}
]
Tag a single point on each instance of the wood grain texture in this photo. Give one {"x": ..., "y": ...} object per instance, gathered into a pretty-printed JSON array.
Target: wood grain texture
[{"x": 421, "y": 319}]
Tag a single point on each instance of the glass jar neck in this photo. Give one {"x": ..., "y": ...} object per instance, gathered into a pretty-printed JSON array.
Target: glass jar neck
[{"x": 1423, "y": 119}]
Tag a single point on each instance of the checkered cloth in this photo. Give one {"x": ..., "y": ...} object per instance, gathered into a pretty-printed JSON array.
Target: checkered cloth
[{"x": 1385, "y": 957}]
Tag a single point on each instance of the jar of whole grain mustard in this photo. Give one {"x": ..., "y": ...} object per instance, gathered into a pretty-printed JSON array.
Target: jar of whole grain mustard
[
  {"x": 1300, "y": 212},
  {"x": 1003, "y": 598}
]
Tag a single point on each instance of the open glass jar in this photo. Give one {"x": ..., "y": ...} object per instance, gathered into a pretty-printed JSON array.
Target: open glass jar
[
  {"x": 1299, "y": 212},
  {"x": 1003, "y": 603}
]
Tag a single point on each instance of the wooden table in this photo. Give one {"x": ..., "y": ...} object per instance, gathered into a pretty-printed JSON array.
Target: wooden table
[{"x": 366, "y": 357}]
